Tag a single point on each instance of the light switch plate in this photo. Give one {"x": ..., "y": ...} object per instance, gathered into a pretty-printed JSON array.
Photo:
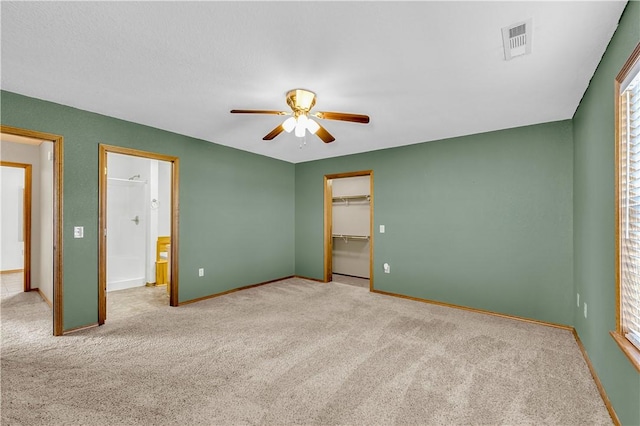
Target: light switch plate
[
  {"x": 78, "y": 232},
  {"x": 382, "y": 229}
]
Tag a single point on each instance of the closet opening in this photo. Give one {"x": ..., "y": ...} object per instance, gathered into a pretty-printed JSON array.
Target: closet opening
[{"x": 348, "y": 237}]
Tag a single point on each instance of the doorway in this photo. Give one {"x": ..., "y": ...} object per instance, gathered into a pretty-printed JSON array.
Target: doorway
[
  {"x": 15, "y": 259},
  {"x": 53, "y": 244},
  {"x": 138, "y": 195},
  {"x": 348, "y": 227}
]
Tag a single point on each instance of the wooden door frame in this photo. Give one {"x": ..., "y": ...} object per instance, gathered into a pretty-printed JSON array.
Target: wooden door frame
[
  {"x": 26, "y": 220},
  {"x": 58, "y": 160},
  {"x": 328, "y": 222},
  {"x": 102, "y": 227}
]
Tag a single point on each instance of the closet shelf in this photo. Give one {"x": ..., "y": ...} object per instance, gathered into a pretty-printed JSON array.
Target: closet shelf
[
  {"x": 114, "y": 179},
  {"x": 351, "y": 237},
  {"x": 347, "y": 198}
]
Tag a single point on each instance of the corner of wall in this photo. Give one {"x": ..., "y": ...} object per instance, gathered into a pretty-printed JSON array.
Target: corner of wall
[{"x": 593, "y": 128}]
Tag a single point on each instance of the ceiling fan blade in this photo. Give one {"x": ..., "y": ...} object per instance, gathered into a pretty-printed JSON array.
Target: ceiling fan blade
[
  {"x": 275, "y": 132},
  {"x": 343, "y": 116},
  {"x": 258, "y": 111},
  {"x": 324, "y": 135}
]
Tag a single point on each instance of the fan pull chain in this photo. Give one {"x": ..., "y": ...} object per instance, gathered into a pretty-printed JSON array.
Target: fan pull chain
[{"x": 303, "y": 141}]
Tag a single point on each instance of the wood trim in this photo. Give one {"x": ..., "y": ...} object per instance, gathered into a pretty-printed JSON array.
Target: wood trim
[
  {"x": 14, "y": 164},
  {"x": 328, "y": 229},
  {"x": 626, "y": 68},
  {"x": 349, "y": 174},
  {"x": 616, "y": 197},
  {"x": 80, "y": 328},
  {"x": 26, "y": 220},
  {"x": 371, "y": 231},
  {"x": 596, "y": 379},
  {"x": 139, "y": 153},
  {"x": 11, "y": 271},
  {"x": 102, "y": 219},
  {"x": 246, "y": 287},
  {"x": 28, "y": 191},
  {"x": 628, "y": 349},
  {"x": 328, "y": 222},
  {"x": 58, "y": 249},
  {"x": 102, "y": 238},
  {"x": 58, "y": 238},
  {"x": 45, "y": 298},
  {"x": 476, "y": 310},
  {"x": 175, "y": 232}
]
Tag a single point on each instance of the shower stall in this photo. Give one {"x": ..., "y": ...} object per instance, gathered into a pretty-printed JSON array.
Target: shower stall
[
  {"x": 126, "y": 232},
  {"x": 138, "y": 213}
]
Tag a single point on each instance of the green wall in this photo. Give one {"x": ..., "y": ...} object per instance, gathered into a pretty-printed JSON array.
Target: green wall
[
  {"x": 594, "y": 223},
  {"x": 482, "y": 221},
  {"x": 235, "y": 207}
]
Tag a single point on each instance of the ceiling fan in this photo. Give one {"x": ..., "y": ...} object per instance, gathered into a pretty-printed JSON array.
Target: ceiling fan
[{"x": 301, "y": 101}]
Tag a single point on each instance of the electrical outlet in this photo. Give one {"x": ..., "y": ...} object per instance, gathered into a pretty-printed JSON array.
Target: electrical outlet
[
  {"x": 387, "y": 268},
  {"x": 578, "y": 299},
  {"x": 201, "y": 272},
  {"x": 78, "y": 232},
  {"x": 585, "y": 310}
]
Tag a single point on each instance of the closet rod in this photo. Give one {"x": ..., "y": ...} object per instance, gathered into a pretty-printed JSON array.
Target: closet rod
[
  {"x": 352, "y": 197},
  {"x": 351, "y": 237},
  {"x": 114, "y": 179}
]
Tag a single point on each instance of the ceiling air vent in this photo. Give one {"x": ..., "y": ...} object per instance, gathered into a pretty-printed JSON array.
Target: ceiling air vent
[{"x": 517, "y": 39}]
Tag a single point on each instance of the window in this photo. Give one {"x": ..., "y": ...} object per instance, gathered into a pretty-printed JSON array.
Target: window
[{"x": 627, "y": 333}]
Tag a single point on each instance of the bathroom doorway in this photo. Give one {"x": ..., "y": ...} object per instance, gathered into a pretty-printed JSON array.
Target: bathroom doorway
[{"x": 138, "y": 219}]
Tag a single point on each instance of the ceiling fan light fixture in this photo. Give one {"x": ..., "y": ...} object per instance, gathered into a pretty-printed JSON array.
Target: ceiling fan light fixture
[
  {"x": 302, "y": 99},
  {"x": 312, "y": 126},
  {"x": 289, "y": 124},
  {"x": 301, "y": 102},
  {"x": 301, "y": 127}
]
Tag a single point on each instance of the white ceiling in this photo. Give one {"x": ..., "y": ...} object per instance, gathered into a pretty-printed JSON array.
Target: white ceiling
[{"x": 422, "y": 71}]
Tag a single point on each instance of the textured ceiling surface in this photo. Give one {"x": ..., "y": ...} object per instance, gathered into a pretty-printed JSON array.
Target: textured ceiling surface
[{"x": 422, "y": 71}]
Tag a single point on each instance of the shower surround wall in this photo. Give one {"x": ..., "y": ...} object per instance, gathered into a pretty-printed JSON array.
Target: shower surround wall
[
  {"x": 133, "y": 221},
  {"x": 127, "y": 187}
]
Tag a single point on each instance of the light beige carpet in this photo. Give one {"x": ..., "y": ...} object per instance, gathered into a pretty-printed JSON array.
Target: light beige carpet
[
  {"x": 135, "y": 301},
  {"x": 293, "y": 352},
  {"x": 350, "y": 280}
]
